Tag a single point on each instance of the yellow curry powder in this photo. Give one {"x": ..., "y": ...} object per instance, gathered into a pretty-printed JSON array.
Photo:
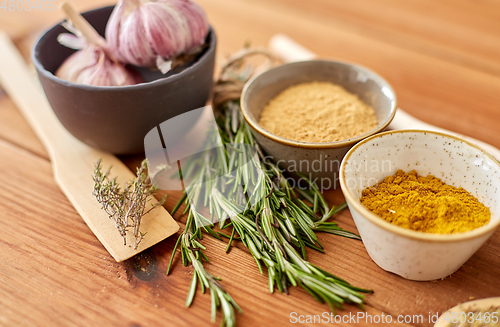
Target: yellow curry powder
[{"x": 425, "y": 204}]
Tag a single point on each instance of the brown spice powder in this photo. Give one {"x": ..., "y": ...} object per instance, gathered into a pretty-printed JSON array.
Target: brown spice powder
[{"x": 317, "y": 112}]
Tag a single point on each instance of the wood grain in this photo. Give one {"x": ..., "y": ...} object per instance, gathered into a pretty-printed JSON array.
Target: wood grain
[
  {"x": 16, "y": 130},
  {"x": 442, "y": 59},
  {"x": 464, "y": 32},
  {"x": 53, "y": 263}
]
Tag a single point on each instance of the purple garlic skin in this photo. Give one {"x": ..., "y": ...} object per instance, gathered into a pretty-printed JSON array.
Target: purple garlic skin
[
  {"x": 92, "y": 66},
  {"x": 143, "y": 32}
]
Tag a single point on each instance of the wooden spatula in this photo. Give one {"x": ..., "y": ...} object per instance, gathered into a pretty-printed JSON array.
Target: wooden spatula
[{"x": 73, "y": 161}]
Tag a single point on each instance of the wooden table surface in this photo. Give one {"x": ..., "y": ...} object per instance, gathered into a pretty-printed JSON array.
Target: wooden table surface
[{"x": 442, "y": 58}]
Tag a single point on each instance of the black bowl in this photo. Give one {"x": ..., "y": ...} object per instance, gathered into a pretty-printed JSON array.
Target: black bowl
[{"x": 116, "y": 119}]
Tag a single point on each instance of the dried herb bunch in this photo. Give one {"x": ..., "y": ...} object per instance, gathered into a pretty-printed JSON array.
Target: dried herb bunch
[
  {"x": 277, "y": 223},
  {"x": 125, "y": 206}
]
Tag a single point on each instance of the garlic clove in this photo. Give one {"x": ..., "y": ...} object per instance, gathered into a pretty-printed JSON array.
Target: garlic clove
[
  {"x": 197, "y": 21},
  {"x": 71, "y": 41},
  {"x": 93, "y": 67},
  {"x": 76, "y": 66},
  {"x": 120, "y": 75},
  {"x": 132, "y": 40}
]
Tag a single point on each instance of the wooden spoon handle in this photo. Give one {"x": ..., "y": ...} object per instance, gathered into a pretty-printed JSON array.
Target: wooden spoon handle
[{"x": 403, "y": 120}]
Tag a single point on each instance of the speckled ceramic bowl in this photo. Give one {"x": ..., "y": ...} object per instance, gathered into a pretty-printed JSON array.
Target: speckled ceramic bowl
[
  {"x": 317, "y": 160},
  {"x": 411, "y": 254}
]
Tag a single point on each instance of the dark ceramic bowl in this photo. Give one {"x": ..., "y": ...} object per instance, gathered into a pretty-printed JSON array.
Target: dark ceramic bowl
[{"x": 116, "y": 119}]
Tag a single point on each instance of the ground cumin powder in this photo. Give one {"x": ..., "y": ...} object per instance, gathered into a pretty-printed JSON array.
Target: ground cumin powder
[
  {"x": 425, "y": 204},
  {"x": 317, "y": 112}
]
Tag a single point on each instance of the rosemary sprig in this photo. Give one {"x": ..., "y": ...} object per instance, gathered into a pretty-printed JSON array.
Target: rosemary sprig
[
  {"x": 125, "y": 206},
  {"x": 192, "y": 252},
  {"x": 276, "y": 223}
]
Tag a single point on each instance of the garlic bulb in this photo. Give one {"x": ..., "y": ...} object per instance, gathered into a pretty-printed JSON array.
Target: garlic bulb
[
  {"x": 92, "y": 64},
  {"x": 147, "y": 33}
]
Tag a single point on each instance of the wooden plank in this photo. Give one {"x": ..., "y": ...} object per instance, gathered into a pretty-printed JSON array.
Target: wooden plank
[
  {"x": 74, "y": 161},
  {"x": 393, "y": 294},
  {"x": 37, "y": 256},
  {"x": 464, "y": 32},
  {"x": 52, "y": 266},
  {"x": 50, "y": 262}
]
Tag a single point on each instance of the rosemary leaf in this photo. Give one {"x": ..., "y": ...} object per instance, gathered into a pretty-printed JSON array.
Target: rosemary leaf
[
  {"x": 192, "y": 290},
  {"x": 214, "y": 305},
  {"x": 230, "y": 240},
  {"x": 179, "y": 203},
  {"x": 173, "y": 254}
]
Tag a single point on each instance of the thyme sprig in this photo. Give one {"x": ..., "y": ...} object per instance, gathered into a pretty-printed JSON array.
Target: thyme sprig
[
  {"x": 127, "y": 205},
  {"x": 276, "y": 224}
]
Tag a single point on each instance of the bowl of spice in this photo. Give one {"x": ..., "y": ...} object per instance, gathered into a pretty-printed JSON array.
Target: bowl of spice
[
  {"x": 307, "y": 115},
  {"x": 423, "y": 202}
]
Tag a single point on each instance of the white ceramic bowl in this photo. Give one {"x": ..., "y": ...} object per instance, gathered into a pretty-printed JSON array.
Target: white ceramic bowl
[{"x": 411, "y": 254}]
